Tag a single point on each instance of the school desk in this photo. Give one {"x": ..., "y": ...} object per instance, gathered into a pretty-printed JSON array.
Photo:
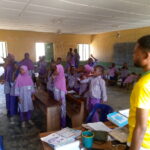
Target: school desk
[
  {"x": 50, "y": 107},
  {"x": 97, "y": 145},
  {"x": 76, "y": 109}
]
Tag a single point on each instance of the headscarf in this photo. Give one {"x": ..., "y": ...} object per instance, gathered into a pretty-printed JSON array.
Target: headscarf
[{"x": 24, "y": 79}]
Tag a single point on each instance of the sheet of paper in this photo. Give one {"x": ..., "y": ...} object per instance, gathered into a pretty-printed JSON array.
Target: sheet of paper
[
  {"x": 71, "y": 146},
  {"x": 71, "y": 92},
  {"x": 124, "y": 112},
  {"x": 98, "y": 126}
]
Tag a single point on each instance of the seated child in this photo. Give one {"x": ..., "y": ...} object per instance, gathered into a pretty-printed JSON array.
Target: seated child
[{"x": 129, "y": 81}]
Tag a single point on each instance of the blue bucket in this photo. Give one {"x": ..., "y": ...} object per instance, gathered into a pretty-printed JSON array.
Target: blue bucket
[{"x": 87, "y": 139}]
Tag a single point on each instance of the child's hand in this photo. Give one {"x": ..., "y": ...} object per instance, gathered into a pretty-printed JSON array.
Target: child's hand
[
  {"x": 60, "y": 103},
  {"x": 104, "y": 102},
  {"x": 33, "y": 98},
  {"x": 2, "y": 81},
  {"x": 20, "y": 100}
]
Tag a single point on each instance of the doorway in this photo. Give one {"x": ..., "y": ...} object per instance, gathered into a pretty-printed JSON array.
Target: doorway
[{"x": 44, "y": 49}]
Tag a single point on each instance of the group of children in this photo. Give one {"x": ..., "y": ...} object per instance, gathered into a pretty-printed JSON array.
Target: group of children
[
  {"x": 87, "y": 80},
  {"x": 121, "y": 76},
  {"x": 19, "y": 88}
]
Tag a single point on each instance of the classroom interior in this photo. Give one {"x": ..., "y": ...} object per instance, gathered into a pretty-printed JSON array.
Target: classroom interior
[{"x": 50, "y": 28}]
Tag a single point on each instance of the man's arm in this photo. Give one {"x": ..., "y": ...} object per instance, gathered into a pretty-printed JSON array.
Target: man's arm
[{"x": 140, "y": 128}]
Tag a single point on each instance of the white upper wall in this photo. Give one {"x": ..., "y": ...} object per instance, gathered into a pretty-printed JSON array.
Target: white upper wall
[{"x": 74, "y": 16}]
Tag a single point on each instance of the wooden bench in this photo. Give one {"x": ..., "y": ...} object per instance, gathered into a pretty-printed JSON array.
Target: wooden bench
[
  {"x": 75, "y": 109},
  {"x": 50, "y": 107}
]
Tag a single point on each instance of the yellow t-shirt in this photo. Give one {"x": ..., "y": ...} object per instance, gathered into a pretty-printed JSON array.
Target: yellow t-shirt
[{"x": 140, "y": 98}]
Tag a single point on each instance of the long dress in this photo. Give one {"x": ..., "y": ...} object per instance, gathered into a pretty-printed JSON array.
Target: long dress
[{"x": 60, "y": 92}]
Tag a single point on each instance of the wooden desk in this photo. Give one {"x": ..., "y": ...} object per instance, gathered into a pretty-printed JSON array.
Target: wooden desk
[
  {"x": 98, "y": 145},
  {"x": 50, "y": 107},
  {"x": 75, "y": 109}
]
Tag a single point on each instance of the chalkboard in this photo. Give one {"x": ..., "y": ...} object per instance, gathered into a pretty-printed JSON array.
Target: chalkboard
[{"x": 123, "y": 52}]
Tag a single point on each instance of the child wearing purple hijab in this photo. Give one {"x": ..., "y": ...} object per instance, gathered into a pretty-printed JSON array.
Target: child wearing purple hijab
[{"x": 24, "y": 88}]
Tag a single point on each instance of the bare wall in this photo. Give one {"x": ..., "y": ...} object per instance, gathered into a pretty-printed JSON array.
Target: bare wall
[
  {"x": 19, "y": 42},
  {"x": 102, "y": 44}
]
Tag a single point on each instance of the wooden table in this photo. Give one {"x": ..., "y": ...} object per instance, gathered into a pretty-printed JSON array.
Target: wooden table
[
  {"x": 75, "y": 109},
  {"x": 98, "y": 145},
  {"x": 50, "y": 107}
]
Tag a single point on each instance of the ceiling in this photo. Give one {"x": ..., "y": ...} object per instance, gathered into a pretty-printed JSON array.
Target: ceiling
[{"x": 74, "y": 16}]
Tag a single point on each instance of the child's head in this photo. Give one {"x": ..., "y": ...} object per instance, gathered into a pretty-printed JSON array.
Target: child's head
[
  {"x": 75, "y": 50},
  {"x": 53, "y": 66},
  {"x": 59, "y": 60},
  {"x": 81, "y": 68},
  {"x": 113, "y": 65},
  {"x": 90, "y": 61},
  {"x": 70, "y": 50},
  {"x": 72, "y": 70},
  {"x": 16, "y": 65},
  {"x": 26, "y": 55},
  {"x": 23, "y": 70},
  {"x": 98, "y": 70}
]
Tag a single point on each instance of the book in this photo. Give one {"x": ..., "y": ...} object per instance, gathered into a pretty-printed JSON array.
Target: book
[
  {"x": 118, "y": 119},
  {"x": 97, "y": 126},
  {"x": 124, "y": 112},
  {"x": 61, "y": 138},
  {"x": 120, "y": 134}
]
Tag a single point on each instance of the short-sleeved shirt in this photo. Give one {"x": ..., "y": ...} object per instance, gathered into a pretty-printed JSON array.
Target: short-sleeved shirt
[{"x": 140, "y": 98}]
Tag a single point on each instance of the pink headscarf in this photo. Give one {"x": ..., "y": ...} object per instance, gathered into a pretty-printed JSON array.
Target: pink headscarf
[
  {"x": 88, "y": 68},
  {"x": 24, "y": 79}
]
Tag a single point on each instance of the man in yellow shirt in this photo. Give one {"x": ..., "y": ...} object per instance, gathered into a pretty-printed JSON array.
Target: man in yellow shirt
[{"x": 139, "y": 118}]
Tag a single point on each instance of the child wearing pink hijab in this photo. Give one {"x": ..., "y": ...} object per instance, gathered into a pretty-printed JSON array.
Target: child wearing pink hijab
[
  {"x": 60, "y": 89},
  {"x": 24, "y": 88}
]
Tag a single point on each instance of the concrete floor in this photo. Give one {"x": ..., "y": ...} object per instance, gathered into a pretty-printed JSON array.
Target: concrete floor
[{"x": 16, "y": 138}]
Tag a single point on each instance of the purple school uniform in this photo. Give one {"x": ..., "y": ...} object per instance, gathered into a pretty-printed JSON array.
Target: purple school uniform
[
  {"x": 42, "y": 67},
  {"x": 71, "y": 80},
  {"x": 7, "y": 86},
  {"x": 28, "y": 63},
  {"x": 24, "y": 89},
  {"x": 77, "y": 59},
  {"x": 97, "y": 93},
  {"x": 60, "y": 91}
]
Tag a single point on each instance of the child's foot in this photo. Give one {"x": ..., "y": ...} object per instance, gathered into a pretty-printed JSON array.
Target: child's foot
[
  {"x": 12, "y": 121},
  {"x": 31, "y": 122},
  {"x": 23, "y": 124}
]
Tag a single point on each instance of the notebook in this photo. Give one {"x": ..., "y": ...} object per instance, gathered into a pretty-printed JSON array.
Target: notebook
[{"x": 118, "y": 119}]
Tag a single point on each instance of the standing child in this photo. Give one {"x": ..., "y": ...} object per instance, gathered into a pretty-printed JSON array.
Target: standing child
[
  {"x": 60, "y": 89},
  {"x": 24, "y": 88},
  {"x": 13, "y": 97},
  {"x": 71, "y": 78},
  {"x": 97, "y": 90},
  {"x": 7, "y": 80}
]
